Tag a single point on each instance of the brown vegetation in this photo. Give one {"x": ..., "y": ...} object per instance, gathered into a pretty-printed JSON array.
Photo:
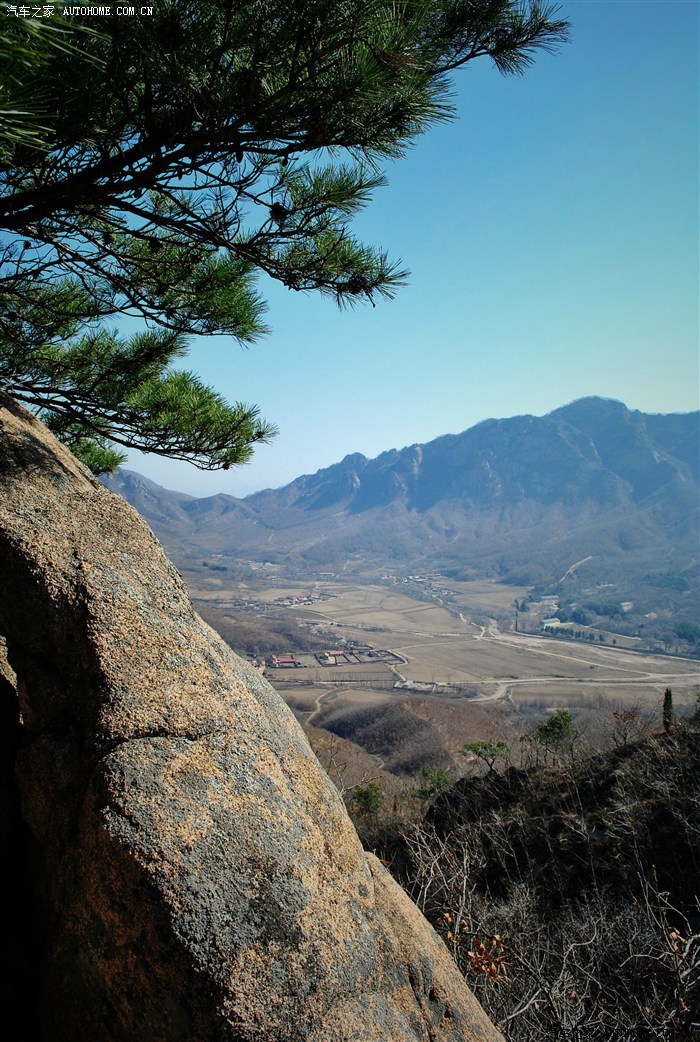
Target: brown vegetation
[
  {"x": 409, "y": 733},
  {"x": 569, "y": 894}
]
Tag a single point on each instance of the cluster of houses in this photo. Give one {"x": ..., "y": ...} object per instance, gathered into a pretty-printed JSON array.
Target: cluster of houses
[
  {"x": 284, "y": 662},
  {"x": 324, "y": 658},
  {"x": 297, "y": 600},
  {"x": 332, "y": 658}
]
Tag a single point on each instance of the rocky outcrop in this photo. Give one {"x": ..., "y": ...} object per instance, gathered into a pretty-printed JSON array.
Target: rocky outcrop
[{"x": 192, "y": 872}]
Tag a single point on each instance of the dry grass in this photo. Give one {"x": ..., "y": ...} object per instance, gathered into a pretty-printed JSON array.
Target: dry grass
[{"x": 487, "y": 595}]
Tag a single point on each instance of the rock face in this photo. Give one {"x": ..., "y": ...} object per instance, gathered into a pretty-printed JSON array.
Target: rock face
[{"x": 193, "y": 873}]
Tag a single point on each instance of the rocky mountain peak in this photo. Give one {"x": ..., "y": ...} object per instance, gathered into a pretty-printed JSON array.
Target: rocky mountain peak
[{"x": 520, "y": 497}]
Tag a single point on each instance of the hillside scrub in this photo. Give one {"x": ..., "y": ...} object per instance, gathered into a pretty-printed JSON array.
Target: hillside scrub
[{"x": 568, "y": 894}]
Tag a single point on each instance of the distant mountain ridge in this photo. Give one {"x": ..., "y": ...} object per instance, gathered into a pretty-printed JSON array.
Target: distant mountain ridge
[{"x": 520, "y": 498}]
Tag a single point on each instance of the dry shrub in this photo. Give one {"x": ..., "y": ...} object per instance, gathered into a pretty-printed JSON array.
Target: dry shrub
[{"x": 568, "y": 896}]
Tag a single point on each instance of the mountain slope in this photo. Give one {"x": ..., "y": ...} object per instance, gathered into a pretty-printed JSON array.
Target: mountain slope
[
  {"x": 582, "y": 895},
  {"x": 521, "y": 499}
]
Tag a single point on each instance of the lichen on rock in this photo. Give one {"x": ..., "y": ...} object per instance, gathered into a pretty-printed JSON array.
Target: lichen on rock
[{"x": 195, "y": 872}]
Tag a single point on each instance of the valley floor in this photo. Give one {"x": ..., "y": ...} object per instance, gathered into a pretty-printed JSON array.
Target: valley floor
[{"x": 439, "y": 650}]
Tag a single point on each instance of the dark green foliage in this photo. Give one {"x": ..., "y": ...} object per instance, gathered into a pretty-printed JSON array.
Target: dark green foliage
[
  {"x": 434, "y": 782},
  {"x": 557, "y": 730},
  {"x": 368, "y": 798},
  {"x": 553, "y": 737},
  {"x": 667, "y": 714},
  {"x": 27, "y": 47},
  {"x": 488, "y": 750},
  {"x": 166, "y": 161}
]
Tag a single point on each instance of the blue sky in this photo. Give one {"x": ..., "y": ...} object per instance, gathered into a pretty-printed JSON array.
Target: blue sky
[{"x": 551, "y": 232}]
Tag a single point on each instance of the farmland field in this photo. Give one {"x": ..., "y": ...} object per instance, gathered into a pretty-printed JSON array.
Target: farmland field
[
  {"x": 454, "y": 641},
  {"x": 390, "y": 676},
  {"x": 443, "y": 647}
]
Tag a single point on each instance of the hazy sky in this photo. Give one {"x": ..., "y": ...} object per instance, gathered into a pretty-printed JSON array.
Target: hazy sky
[{"x": 552, "y": 236}]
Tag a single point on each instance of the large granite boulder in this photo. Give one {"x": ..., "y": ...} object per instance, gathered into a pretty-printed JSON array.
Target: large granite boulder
[{"x": 187, "y": 869}]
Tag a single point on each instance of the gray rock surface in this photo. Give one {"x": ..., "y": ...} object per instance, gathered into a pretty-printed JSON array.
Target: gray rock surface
[{"x": 194, "y": 872}]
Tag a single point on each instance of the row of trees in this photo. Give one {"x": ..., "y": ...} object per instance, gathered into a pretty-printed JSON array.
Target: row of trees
[{"x": 153, "y": 168}]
